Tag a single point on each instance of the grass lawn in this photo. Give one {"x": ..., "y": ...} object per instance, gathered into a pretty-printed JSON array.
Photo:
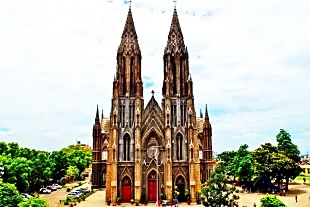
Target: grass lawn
[{"x": 301, "y": 177}]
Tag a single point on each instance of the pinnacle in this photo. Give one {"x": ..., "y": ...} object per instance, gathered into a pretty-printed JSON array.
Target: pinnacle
[
  {"x": 97, "y": 115},
  {"x": 129, "y": 25},
  {"x": 175, "y": 24},
  {"x": 206, "y": 113}
]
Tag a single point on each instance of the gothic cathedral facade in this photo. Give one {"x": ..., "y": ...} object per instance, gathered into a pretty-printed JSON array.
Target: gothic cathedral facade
[{"x": 140, "y": 149}]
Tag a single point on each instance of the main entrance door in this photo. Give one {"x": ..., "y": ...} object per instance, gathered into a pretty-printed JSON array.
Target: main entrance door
[
  {"x": 152, "y": 186},
  {"x": 126, "y": 189},
  {"x": 180, "y": 183}
]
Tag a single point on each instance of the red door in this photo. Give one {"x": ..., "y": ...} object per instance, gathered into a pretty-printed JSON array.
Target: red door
[
  {"x": 152, "y": 190},
  {"x": 126, "y": 193}
]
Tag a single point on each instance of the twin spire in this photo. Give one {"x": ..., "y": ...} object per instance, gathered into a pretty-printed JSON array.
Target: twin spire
[{"x": 174, "y": 28}]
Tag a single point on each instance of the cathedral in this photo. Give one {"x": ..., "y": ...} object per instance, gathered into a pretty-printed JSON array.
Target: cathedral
[{"x": 145, "y": 151}]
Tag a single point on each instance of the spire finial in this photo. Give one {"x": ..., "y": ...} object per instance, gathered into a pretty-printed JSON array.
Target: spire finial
[
  {"x": 130, "y": 4},
  {"x": 102, "y": 114},
  {"x": 175, "y": 5},
  {"x": 206, "y": 113},
  {"x": 97, "y": 115},
  {"x": 152, "y": 93}
]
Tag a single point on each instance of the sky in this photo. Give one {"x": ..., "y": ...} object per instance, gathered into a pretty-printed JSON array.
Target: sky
[{"x": 249, "y": 62}]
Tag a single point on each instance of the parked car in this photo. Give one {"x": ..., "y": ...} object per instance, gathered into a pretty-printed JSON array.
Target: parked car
[
  {"x": 55, "y": 185},
  {"x": 26, "y": 195},
  {"x": 83, "y": 190},
  {"x": 45, "y": 191},
  {"x": 51, "y": 188},
  {"x": 78, "y": 193},
  {"x": 73, "y": 195}
]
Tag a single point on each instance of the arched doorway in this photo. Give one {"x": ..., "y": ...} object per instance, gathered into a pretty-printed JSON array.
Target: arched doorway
[
  {"x": 180, "y": 183},
  {"x": 126, "y": 189},
  {"x": 152, "y": 178}
]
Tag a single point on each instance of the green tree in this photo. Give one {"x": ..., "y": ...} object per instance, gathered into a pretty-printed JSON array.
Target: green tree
[
  {"x": 73, "y": 171},
  {"x": 264, "y": 159},
  {"x": 34, "y": 202},
  {"x": 61, "y": 163},
  {"x": 243, "y": 164},
  {"x": 41, "y": 169},
  {"x": 274, "y": 163},
  {"x": 3, "y": 147},
  {"x": 227, "y": 161},
  {"x": 9, "y": 195},
  {"x": 216, "y": 191},
  {"x": 290, "y": 150},
  {"x": 271, "y": 201},
  {"x": 18, "y": 172}
]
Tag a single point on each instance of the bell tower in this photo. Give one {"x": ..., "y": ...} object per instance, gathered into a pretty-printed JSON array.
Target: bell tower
[
  {"x": 125, "y": 118},
  {"x": 180, "y": 115}
]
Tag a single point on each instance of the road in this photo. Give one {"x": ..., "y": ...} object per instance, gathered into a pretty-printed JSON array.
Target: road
[{"x": 60, "y": 194}]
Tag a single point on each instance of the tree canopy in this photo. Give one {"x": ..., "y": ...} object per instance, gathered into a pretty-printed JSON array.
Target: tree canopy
[
  {"x": 278, "y": 162},
  {"x": 28, "y": 169},
  {"x": 34, "y": 202},
  {"x": 9, "y": 195},
  {"x": 216, "y": 191}
]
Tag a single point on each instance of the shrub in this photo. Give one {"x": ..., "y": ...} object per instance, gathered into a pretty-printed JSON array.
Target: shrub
[{"x": 271, "y": 201}]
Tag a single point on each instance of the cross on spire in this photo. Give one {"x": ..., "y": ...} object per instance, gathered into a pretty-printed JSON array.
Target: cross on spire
[
  {"x": 175, "y": 5},
  {"x": 130, "y": 4},
  {"x": 152, "y": 92}
]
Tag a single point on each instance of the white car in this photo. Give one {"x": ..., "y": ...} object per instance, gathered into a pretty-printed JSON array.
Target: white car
[
  {"x": 57, "y": 186},
  {"x": 73, "y": 195},
  {"x": 77, "y": 193},
  {"x": 45, "y": 190}
]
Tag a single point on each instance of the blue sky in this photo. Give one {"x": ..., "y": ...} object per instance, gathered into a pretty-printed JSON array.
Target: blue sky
[{"x": 249, "y": 62}]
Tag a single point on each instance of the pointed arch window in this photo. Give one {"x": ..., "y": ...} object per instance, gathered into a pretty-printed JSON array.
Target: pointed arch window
[
  {"x": 200, "y": 153},
  {"x": 131, "y": 114},
  {"x": 132, "y": 86},
  {"x": 126, "y": 144},
  {"x": 105, "y": 154},
  {"x": 182, "y": 82},
  {"x": 122, "y": 115},
  {"x": 179, "y": 146},
  {"x": 124, "y": 75},
  {"x": 173, "y": 114},
  {"x": 174, "y": 73}
]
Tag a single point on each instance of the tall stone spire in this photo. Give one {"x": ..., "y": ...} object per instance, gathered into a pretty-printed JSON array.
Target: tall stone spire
[
  {"x": 206, "y": 121},
  {"x": 176, "y": 70},
  {"x": 129, "y": 35},
  {"x": 175, "y": 36},
  {"x": 97, "y": 119},
  {"x": 128, "y": 70}
]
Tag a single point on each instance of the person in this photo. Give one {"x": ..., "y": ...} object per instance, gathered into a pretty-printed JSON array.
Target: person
[
  {"x": 284, "y": 192},
  {"x": 254, "y": 205},
  {"x": 296, "y": 198},
  {"x": 304, "y": 180}
]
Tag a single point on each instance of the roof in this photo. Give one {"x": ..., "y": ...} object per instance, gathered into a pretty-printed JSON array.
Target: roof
[
  {"x": 105, "y": 125},
  {"x": 199, "y": 124}
]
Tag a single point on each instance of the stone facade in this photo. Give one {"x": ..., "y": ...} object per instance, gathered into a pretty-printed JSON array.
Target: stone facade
[{"x": 140, "y": 149}]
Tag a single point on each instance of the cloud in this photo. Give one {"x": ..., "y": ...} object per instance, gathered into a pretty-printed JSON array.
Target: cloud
[{"x": 249, "y": 62}]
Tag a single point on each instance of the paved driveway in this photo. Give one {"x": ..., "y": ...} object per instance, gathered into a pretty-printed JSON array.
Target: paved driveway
[
  {"x": 302, "y": 192},
  {"x": 61, "y": 194}
]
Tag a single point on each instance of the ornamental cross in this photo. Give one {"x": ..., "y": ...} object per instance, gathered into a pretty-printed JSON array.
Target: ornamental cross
[
  {"x": 130, "y": 4},
  {"x": 152, "y": 92},
  {"x": 175, "y": 4}
]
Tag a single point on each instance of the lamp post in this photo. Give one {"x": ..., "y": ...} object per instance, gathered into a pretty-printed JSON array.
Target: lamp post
[{"x": 157, "y": 182}]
